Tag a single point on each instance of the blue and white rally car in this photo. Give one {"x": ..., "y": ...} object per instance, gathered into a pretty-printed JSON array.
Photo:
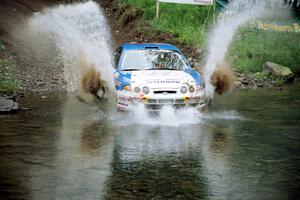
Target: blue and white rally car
[{"x": 156, "y": 75}]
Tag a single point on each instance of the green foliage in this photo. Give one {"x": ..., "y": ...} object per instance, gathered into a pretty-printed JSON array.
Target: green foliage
[
  {"x": 252, "y": 48},
  {"x": 188, "y": 22},
  {"x": 9, "y": 86},
  {"x": 279, "y": 81},
  {"x": 262, "y": 75},
  {"x": 2, "y": 46},
  {"x": 8, "y": 82}
]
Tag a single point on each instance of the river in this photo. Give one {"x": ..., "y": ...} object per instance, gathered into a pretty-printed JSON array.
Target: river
[{"x": 245, "y": 147}]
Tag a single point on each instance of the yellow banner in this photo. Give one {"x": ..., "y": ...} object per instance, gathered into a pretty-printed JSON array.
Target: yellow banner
[
  {"x": 195, "y": 2},
  {"x": 272, "y": 26}
]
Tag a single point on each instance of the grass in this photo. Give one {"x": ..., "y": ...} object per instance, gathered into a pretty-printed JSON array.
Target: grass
[
  {"x": 188, "y": 22},
  {"x": 252, "y": 48},
  {"x": 8, "y": 81}
]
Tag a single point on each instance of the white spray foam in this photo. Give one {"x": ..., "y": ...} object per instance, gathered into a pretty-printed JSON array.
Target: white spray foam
[
  {"x": 167, "y": 116},
  {"x": 237, "y": 13},
  {"x": 170, "y": 117},
  {"x": 79, "y": 31}
]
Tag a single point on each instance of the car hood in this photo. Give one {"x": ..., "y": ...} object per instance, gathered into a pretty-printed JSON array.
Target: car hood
[{"x": 161, "y": 79}]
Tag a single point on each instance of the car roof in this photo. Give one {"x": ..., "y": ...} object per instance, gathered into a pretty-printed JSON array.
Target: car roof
[{"x": 140, "y": 46}]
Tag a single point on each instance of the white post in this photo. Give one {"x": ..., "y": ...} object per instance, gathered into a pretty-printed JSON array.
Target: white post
[{"x": 157, "y": 8}]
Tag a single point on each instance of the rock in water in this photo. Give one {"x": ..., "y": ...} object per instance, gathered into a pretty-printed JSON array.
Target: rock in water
[
  {"x": 8, "y": 106},
  {"x": 278, "y": 70}
]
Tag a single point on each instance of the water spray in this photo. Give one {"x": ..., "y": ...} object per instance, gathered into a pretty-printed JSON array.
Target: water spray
[
  {"x": 237, "y": 13},
  {"x": 81, "y": 38}
]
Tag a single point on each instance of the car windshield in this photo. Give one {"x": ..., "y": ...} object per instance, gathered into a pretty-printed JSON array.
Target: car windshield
[{"x": 152, "y": 60}]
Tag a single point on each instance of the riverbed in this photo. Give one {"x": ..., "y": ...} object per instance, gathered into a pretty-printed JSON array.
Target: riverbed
[{"x": 245, "y": 147}]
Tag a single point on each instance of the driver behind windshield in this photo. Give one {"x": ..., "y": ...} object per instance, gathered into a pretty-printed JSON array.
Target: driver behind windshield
[{"x": 152, "y": 60}]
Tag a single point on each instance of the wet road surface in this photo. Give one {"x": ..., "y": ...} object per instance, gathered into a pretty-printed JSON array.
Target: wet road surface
[{"x": 246, "y": 147}]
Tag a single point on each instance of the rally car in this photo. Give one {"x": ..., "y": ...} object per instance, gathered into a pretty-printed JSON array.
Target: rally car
[{"x": 156, "y": 75}]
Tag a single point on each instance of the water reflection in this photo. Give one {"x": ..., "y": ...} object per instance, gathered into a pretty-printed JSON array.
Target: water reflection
[
  {"x": 157, "y": 163},
  {"x": 86, "y": 145},
  {"x": 221, "y": 143},
  {"x": 91, "y": 138},
  {"x": 216, "y": 151},
  {"x": 65, "y": 149},
  {"x": 28, "y": 142}
]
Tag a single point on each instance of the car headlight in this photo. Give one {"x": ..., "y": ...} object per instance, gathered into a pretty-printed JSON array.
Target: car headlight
[
  {"x": 191, "y": 89},
  {"x": 137, "y": 90},
  {"x": 146, "y": 90},
  {"x": 183, "y": 89}
]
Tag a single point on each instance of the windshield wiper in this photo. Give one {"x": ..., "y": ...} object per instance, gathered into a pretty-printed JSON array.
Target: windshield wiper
[
  {"x": 130, "y": 69},
  {"x": 162, "y": 69}
]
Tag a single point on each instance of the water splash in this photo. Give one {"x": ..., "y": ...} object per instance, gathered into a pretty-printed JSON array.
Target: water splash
[
  {"x": 81, "y": 36},
  {"x": 167, "y": 116},
  {"x": 237, "y": 13},
  {"x": 170, "y": 117}
]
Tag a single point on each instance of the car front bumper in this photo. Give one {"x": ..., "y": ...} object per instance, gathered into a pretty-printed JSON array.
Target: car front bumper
[{"x": 156, "y": 102}]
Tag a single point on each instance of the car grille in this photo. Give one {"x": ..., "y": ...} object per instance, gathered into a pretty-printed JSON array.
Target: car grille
[
  {"x": 159, "y": 106},
  {"x": 166, "y": 101},
  {"x": 154, "y": 106},
  {"x": 179, "y": 101},
  {"x": 152, "y": 100}
]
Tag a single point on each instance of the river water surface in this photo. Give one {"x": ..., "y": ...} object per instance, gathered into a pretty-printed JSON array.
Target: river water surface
[{"x": 246, "y": 147}]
